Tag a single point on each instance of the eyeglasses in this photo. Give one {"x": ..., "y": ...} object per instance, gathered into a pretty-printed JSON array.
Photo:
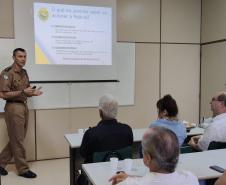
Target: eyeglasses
[{"x": 216, "y": 99}]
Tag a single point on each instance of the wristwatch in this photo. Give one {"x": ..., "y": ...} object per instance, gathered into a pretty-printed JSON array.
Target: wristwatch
[{"x": 23, "y": 93}]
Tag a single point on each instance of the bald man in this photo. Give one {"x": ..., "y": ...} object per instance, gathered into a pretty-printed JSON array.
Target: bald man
[
  {"x": 217, "y": 129},
  {"x": 161, "y": 153}
]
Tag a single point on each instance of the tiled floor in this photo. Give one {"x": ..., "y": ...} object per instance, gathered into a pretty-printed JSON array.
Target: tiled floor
[{"x": 50, "y": 172}]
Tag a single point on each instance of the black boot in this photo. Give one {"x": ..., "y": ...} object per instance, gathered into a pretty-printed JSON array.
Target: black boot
[
  {"x": 28, "y": 174},
  {"x": 3, "y": 171}
]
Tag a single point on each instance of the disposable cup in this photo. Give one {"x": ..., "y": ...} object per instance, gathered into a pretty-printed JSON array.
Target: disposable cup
[
  {"x": 128, "y": 163},
  {"x": 81, "y": 131},
  {"x": 114, "y": 163}
]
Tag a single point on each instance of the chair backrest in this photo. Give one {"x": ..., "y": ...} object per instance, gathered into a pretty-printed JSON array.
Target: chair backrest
[
  {"x": 216, "y": 145},
  {"x": 121, "y": 154},
  {"x": 186, "y": 149}
]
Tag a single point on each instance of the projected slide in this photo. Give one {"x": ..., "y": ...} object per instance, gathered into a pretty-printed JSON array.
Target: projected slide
[{"x": 72, "y": 35}]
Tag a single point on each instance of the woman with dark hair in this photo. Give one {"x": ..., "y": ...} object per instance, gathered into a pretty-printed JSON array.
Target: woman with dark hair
[{"x": 167, "y": 117}]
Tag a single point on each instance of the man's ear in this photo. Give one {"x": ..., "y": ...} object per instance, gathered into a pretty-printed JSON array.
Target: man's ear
[
  {"x": 147, "y": 159},
  {"x": 222, "y": 103},
  {"x": 101, "y": 113}
]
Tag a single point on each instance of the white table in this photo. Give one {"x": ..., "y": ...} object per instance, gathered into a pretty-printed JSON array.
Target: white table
[
  {"x": 198, "y": 163},
  {"x": 196, "y": 131},
  {"x": 75, "y": 140}
]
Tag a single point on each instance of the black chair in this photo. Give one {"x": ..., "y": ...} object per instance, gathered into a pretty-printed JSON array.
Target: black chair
[
  {"x": 121, "y": 154},
  {"x": 187, "y": 149},
  {"x": 216, "y": 145}
]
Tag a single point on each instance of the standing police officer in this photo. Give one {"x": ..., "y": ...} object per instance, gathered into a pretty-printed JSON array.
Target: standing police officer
[{"x": 15, "y": 88}]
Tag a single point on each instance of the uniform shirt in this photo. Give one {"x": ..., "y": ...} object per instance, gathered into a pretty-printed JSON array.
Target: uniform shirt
[
  {"x": 12, "y": 80},
  {"x": 107, "y": 135},
  {"x": 216, "y": 131},
  {"x": 151, "y": 178},
  {"x": 177, "y": 127}
]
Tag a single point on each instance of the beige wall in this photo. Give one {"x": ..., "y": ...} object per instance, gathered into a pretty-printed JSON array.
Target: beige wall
[
  {"x": 138, "y": 20},
  {"x": 160, "y": 69},
  {"x": 181, "y": 21},
  {"x": 213, "y": 64},
  {"x": 213, "y": 74},
  {"x": 213, "y": 20},
  {"x": 180, "y": 71},
  {"x": 6, "y": 19}
]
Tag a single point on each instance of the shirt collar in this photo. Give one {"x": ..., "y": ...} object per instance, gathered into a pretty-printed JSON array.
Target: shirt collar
[
  {"x": 107, "y": 121},
  {"x": 16, "y": 70},
  {"x": 160, "y": 175},
  {"x": 220, "y": 116}
]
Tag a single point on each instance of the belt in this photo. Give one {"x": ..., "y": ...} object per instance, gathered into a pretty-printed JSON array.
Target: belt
[{"x": 16, "y": 101}]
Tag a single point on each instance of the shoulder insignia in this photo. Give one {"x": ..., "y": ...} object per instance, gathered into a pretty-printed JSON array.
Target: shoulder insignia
[
  {"x": 8, "y": 69},
  {"x": 5, "y": 77},
  {"x": 25, "y": 72}
]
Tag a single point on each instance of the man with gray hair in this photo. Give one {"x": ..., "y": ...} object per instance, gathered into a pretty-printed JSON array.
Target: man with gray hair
[
  {"x": 109, "y": 134},
  {"x": 161, "y": 152}
]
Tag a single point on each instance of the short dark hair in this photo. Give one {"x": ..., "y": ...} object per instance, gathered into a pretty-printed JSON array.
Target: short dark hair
[
  {"x": 163, "y": 147},
  {"x": 222, "y": 97},
  {"x": 18, "y": 49},
  {"x": 169, "y": 104}
]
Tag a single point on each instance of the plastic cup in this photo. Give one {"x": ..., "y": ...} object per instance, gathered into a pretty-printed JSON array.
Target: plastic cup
[
  {"x": 81, "y": 131},
  {"x": 85, "y": 129},
  {"x": 128, "y": 163},
  {"x": 114, "y": 163}
]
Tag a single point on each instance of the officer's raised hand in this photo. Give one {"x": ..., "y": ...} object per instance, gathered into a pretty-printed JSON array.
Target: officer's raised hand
[
  {"x": 30, "y": 91},
  {"x": 37, "y": 91}
]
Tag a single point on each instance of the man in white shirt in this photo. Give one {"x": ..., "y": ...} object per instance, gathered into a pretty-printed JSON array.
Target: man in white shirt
[
  {"x": 161, "y": 152},
  {"x": 216, "y": 131}
]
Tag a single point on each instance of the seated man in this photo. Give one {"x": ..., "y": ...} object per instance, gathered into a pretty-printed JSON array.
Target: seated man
[
  {"x": 109, "y": 134},
  {"x": 216, "y": 131},
  {"x": 161, "y": 153}
]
